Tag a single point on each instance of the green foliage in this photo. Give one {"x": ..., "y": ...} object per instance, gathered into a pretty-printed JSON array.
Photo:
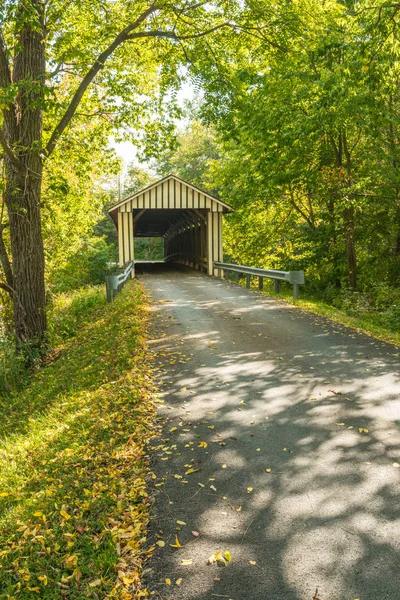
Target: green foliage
[
  {"x": 149, "y": 248},
  {"x": 306, "y": 122},
  {"x": 194, "y": 151},
  {"x": 88, "y": 266}
]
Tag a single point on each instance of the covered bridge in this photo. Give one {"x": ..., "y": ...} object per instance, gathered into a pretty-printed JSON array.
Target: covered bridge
[{"x": 189, "y": 220}]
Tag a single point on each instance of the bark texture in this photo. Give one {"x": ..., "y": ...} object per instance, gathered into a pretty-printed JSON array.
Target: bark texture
[{"x": 22, "y": 132}]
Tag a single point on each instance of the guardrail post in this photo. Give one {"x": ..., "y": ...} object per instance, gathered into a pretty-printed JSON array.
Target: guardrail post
[
  {"x": 108, "y": 288},
  {"x": 248, "y": 281},
  {"x": 260, "y": 283},
  {"x": 111, "y": 287},
  {"x": 295, "y": 291},
  {"x": 277, "y": 286}
]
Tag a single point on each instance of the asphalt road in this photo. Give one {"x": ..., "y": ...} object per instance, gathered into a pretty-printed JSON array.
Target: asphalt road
[{"x": 291, "y": 425}]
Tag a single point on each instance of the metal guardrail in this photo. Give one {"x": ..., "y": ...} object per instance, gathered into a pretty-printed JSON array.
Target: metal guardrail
[
  {"x": 295, "y": 278},
  {"x": 115, "y": 283}
]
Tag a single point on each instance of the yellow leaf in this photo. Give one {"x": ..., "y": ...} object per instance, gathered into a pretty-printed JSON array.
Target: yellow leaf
[
  {"x": 177, "y": 544},
  {"x": 38, "y": 513},
  {"x": 223, "y": 467},
  {"x": 201, "y": 445},
  {"x": 181, "y": 522},
  {"x": 178, "y": 581},
  {"x": 71, "y": 560},
  {"x": 173, "y": 429},
  {"x": 64, "y": 514},
  {"x": 211, "y": 427},
  {"x": 4, "y": 494},
  {"x": 252, "y": 562},
  {"x": 95, "y": 583},
  {"x": 178, "y": 476},
  {"x": 190, "y": 471},
  {"x": 128, "y": 580},
  {"x": 268, "y": 470},
  {"x": 340, "y": 424},
  {"x": 168, "y": 581},
  {"x": 186, "y": 561},
  {"x": 249, "y": 490},
  {"x": 43, "y": 578},
  {"x": 160, "y": 543},
  {"x": 227, "y": 556}
]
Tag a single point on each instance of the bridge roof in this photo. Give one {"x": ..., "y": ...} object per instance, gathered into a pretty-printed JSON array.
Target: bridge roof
[{"x": 169, "y": 193}]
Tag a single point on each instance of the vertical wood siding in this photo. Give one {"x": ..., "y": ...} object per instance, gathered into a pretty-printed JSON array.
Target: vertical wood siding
[{"x": 196, "y": 240}]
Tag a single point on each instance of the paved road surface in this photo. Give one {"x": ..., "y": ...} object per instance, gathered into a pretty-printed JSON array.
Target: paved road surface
[{"x": 267, "y": 386}]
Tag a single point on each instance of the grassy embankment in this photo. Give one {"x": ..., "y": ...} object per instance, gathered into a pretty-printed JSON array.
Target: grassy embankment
[
  {"x": 371, "y": 322},
  {"x": 73, "y": 464}
]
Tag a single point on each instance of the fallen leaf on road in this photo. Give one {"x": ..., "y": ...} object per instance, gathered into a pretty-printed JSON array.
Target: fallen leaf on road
[
  {"x": 249, "y": 490},
  {"x": 181, "y": 522},
  {"x": 252, "y": 562},
  {"x": 268, "y": 470},
  {"x": 221, "y": 558},
  {"x": 190, "y": 471},
  {"x": 177, "y": 544},
  {"x": 203, "y": 445},
  {"x": 178, "y": 581},
  {"x": 160, "y": 543},
  {"x": 186, "y": 561},
  {"x": 168, "y": 581},
  {"x": 195, "y": 533}
]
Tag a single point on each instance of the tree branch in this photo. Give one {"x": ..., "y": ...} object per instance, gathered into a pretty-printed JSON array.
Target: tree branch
[
  {"x": 8, "y": 151},
  {"x": 5, "y": 261},
  {"x": 173, "y": 36},
  {"x": 122, "y": 37},
  {"x": 7, "y": 288}
]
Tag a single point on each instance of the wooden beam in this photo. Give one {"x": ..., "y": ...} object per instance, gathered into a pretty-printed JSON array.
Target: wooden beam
[
  {"x": 199, "y": 214},
  {"x": 137, "y": 217}
]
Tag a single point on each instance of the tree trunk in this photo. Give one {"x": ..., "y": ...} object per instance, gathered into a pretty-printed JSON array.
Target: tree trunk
[
  {"x": 27, "y": 253},
  {"x": 23, "y": 133},
  {"x": 349, "y": 231}
]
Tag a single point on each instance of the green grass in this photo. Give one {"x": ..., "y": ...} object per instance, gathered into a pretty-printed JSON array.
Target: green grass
[
  {"x": 73, "y": 464},
  {"x": 370, "y": 322}
]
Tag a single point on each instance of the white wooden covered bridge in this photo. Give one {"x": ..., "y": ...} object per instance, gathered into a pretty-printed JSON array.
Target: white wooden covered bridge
[{"x": 189, "y": 220}]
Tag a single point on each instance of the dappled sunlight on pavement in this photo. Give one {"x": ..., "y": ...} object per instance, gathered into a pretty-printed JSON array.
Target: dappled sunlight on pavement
[{"x": 289, "y": 427}]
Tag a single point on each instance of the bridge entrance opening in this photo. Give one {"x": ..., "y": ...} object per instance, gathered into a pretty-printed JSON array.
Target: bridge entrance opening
[{"x": 188, "y": 219}]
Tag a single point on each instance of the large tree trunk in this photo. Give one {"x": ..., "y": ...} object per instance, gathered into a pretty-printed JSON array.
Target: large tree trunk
[
  {"x": 23, "y": 133},
  {"x": 27, "y": 252}
]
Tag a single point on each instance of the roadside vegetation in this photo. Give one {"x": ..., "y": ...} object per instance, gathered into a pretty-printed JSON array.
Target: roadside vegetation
[{"x": 73, "y": 464}]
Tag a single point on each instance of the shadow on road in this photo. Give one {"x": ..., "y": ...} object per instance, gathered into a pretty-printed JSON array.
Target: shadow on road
[{"x": 268, "y": 387}]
